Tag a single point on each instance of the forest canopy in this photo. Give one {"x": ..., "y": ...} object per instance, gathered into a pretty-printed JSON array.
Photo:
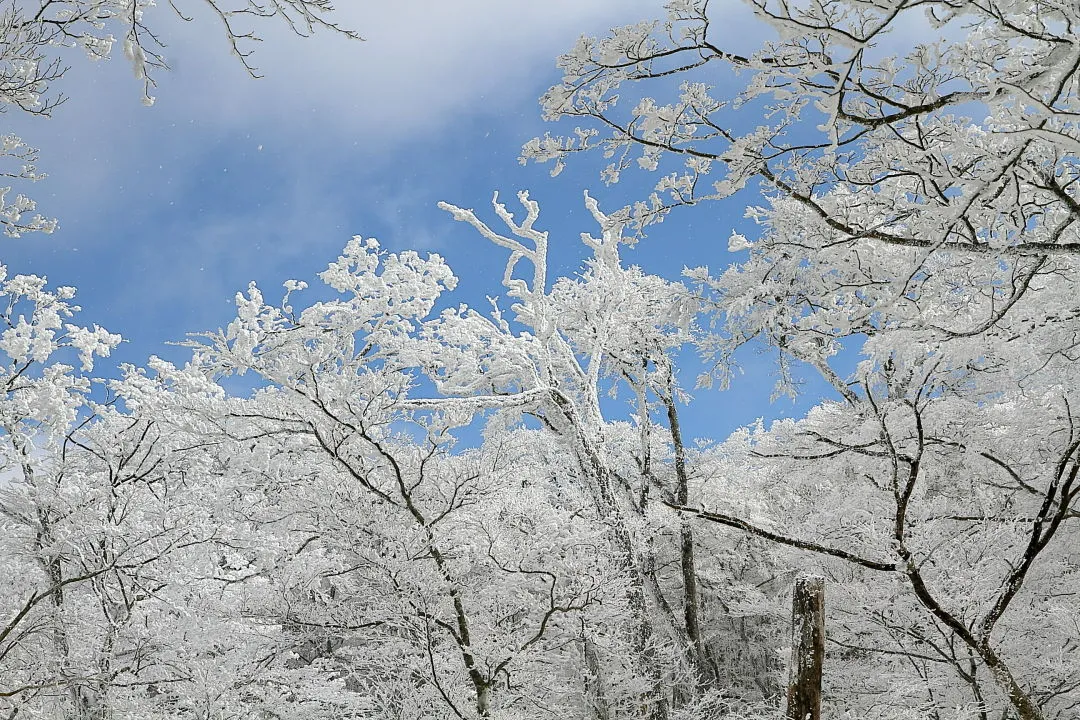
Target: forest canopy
[{"x": 334, "y": 544}]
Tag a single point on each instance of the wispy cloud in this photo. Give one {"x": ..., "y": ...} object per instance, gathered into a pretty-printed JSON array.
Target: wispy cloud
[{"x": 167, "y": 211}]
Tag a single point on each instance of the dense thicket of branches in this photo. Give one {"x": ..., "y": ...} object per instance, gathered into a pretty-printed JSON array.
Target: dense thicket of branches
[{"x": 426, "y": 510}]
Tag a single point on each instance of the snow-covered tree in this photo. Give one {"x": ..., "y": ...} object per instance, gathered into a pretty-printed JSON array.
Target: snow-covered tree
[
  {"x": 612, "y": 321},
  {"x": 425, "y": 509},
  {"x": 81, "y": 502},
  {"x": 480, "y": 570},
  {"x": 417, "y": 577},
  {"x": 918, "y": 162}
]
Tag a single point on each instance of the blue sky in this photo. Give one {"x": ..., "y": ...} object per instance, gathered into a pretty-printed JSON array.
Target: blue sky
[{"x": 166, "y": 212}]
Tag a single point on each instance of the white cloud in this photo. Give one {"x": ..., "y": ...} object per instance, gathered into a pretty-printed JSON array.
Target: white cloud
[
  {"x": 422, "y": 64},
  {"x": 421, "y": 61},
  {"x": 128, "y": 182}
]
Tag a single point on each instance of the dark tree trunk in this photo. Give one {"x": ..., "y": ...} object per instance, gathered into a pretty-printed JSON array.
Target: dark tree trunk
[
  {"x": 594, "y": 683},
  {"x": 691, "y": 596},
  {"x": 807, "y": 649}
]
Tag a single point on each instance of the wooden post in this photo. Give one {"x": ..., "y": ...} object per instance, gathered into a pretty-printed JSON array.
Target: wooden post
[{"x": 807, "y": 649}]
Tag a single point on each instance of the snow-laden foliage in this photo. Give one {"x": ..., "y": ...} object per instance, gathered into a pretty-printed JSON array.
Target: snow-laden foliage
[
  {"x": 918, "y": 163},
  {"x": 431, "y": 510}
]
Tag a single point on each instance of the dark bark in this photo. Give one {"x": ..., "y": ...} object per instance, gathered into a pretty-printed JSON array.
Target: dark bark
[
  {"x": 691, "y": 595},
  {"x": 594, "y": 682},
  {"x": 807, "y": 649}
]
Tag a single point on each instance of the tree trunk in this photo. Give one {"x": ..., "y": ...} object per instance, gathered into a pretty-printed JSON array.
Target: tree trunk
[
  {"x": 590, "y": 460},
  {"x": 807, "y": 649},
  {"x": 691, "y": 596},
  {"x": 594, "y": 683},
  {"x": 1021, "y": 701},
  {"x": 692, "y": 609}
]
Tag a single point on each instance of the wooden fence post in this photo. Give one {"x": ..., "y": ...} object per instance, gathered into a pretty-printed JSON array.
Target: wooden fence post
[{"x": 807, "y": 649}]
